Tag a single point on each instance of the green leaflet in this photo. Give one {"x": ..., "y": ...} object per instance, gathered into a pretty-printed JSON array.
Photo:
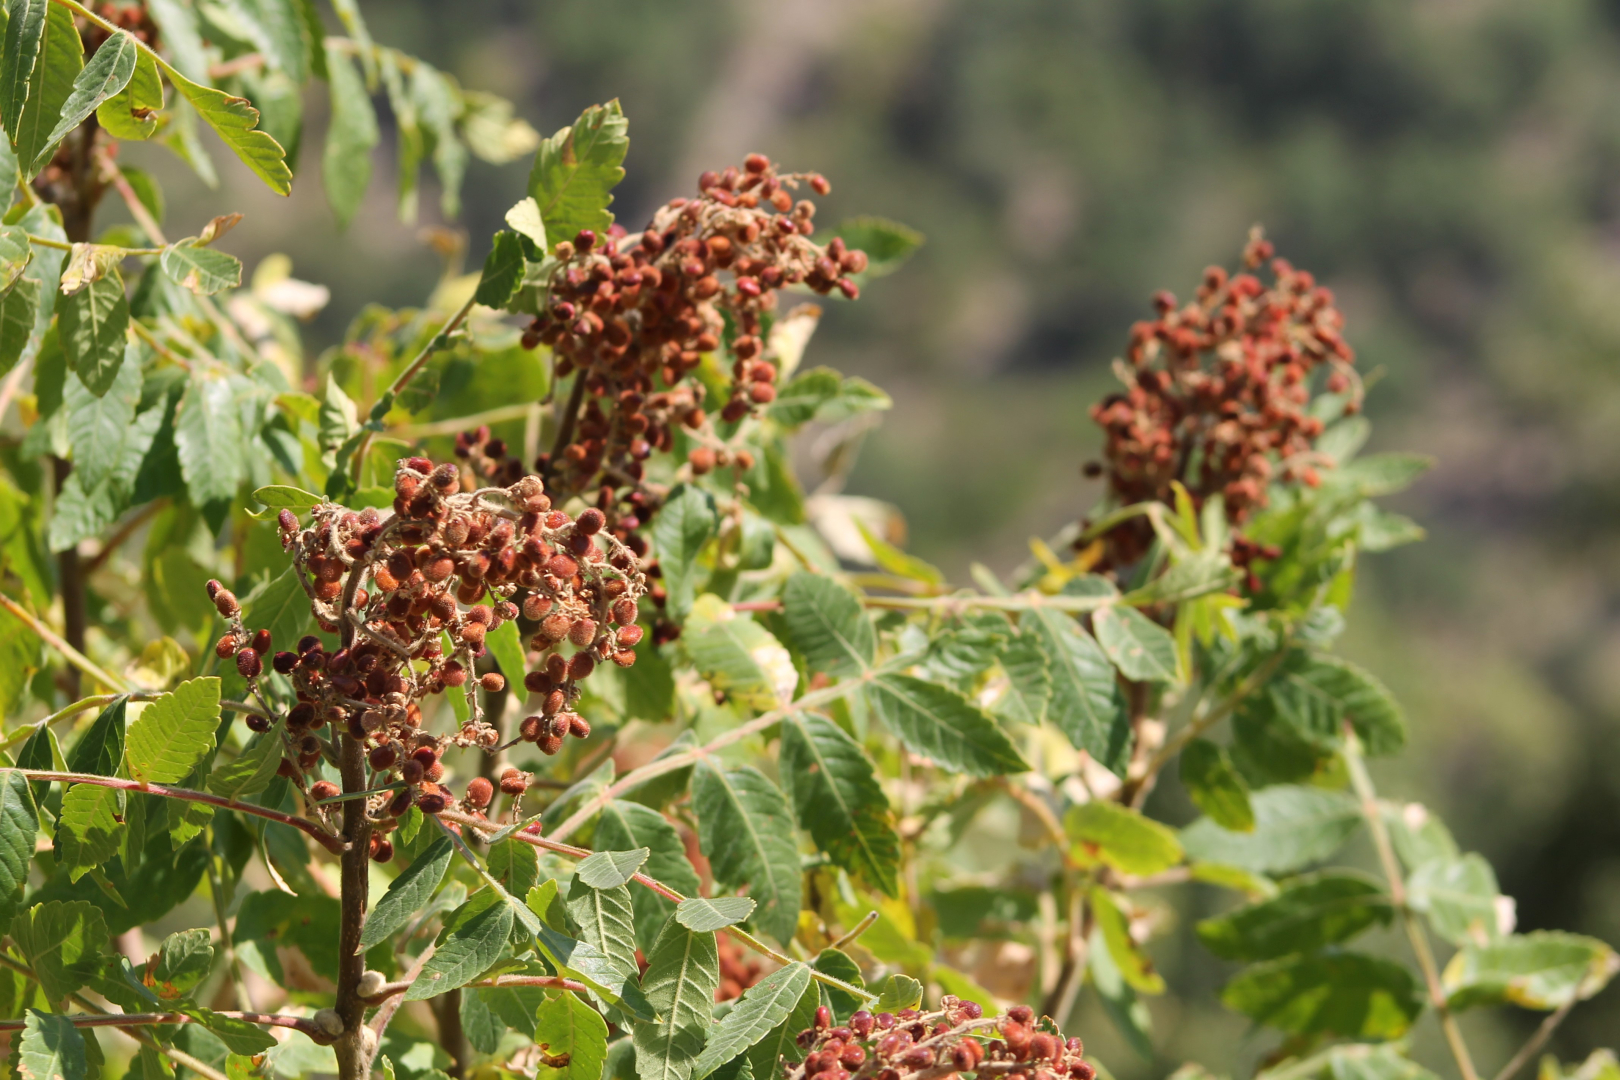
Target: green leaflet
[
  {"x": 252, "y": 770},
  {"x": 236, "y": 121},
  {"x": 174, "y": 733},
  {"x": 407, "y": 893},
  {"x": 576, "y": 170},
  {"x": 626, "y": 825},
  {"x": 898, "y": 992},
  {"x": 205, "y": 271},
  {"x": 503, "y": 270},
  {"x": 184, "y": 960},
  {"x": 1346, "y": 994},
  {"x": 737, "y": 655},
  {"x": 683, "y": 972},
  {"x": 88, "y": 829},
  {"x": 100, "y": 749},
  {"x": 507, "y": 648},
  {"x": 1122, "y": 837},
  {"x": 132, "y": 112},
  {"x": 94, "y": 320},
  {"x": 887, "y": 244},
  {"x": 781, "y": 1043},
  {"x": 1294, "y": 826},
  {"x": 1029, "y": 680},
  {"x": 17, "y": 309},
  {"x": 761, "y": 1008},
  {"x": 704, "y": 913},
  {"x": 50, "y": 84},
  {"x": 62, "y": 942},
  {"x": 279, "y": 33},
  {"x": 1310, "y": 913},
  {"x": 208, "y": 435},
  {"x": 605, "y": 919},
  {"x": 1543, "y": 969},
  {"x": 350, "y": 137},
  {"x": 15, "y": 253},
  {"x": 465, "y": 950},
  {"x": 19, "y": 824},
  {"x": 25, "y": 36},
  {"x": 565, "y": 1025},
  {"x": 106, "y": 75},
  {"x": 514, "y": 864},
  {"x": 611, "y": 869},
  {"x": 1134, "y": 967},
  {"x": 834, "y": 789},
  {"x": 1215, "y": 786},
  {"x": 1141, "y": 648},
  {"x": 838, "y": 964},
  {"x": 1460, "y": 897},
  {"x": 1085, "y": 704},
  {"x": 51, "y": 1048},
  {"x": 686, "y": 522},
  {"x": 939, "y": 723},
  {"x": 746, "y": 831},
  {"x": 99, "y": 425},
  {"x": 826, "y": 622}
]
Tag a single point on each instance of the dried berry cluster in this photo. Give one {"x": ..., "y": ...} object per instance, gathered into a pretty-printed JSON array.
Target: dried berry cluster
[
  {"x": 636, "y": 314},
  {"x": 1218, "y": 392},
  {"x": 415, "y": 592},
  {"x": 957, "y": 1038}
]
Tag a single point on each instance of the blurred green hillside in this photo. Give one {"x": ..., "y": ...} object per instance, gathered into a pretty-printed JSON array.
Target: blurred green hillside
[{"x": 1450, "y": 167}]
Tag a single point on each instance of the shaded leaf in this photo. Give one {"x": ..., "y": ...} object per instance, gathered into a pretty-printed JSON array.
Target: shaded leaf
[
  {"x": 1121, "y": 837},
  {"x": 62, "y": 942},
  {"x": 1543, "y": 969},
  {"x": 1294, "y": 826},
  {"x": 1460, "y": 897},
  {"x": 106, "y": 75},
  {"x": 203, "y": 270},
  {"x": 51, "y": 1048},
  {"x": 464, "y": 951},
  {"x": 408, "y": 893},
  {"x": 565, "y": 1026},
  {"x": 1215, "y": 787},
  {"x": 1086, "y": 704},
  {"x": 1141, "y": 648},
  {"x": 1345, "y": 994},
  {"x": 685, "y": 523},
  {"x": 1134, "y": 966},
  {"x": 1310, "y": 913},
  {"x": 826, "y": 623},
  {"x": 606, "y": 921},
  {"x": 898, "y": 992},
  {"x": 208, "y": 435},
  {"x": 503, "y": 270},
  {"x": 94, "y": 321},
  {"x": 132, "y": 112},
  {"x": 19, "y": 824},
  {"x": 738, "y": 656},
  {"x": 761, "y": 1008},
  {"x": 626, "y": 825},
  {"x": 50, "y": 84}
]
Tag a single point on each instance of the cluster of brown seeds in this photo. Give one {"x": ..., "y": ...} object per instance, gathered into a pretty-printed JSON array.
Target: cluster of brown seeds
[
  {"x": 1218, "y": 392},
  {"x": 957, "y": 1038}
]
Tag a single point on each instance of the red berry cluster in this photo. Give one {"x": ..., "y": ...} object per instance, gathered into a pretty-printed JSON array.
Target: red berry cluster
[
  {"x": 957, "y": 1038},
  {"x": 1218, "y": 392},
  {"x": 635, "y": 314},
  {"x": 487, "y": 457},
  {"x": 418, "y": 590}
]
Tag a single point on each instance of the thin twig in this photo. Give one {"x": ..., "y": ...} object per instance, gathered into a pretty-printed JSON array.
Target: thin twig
[
  {"x": 124, "y": 1020},
  {"x": 555, "y": 982},
  {"x": 412, "y": 370},
  {"x": 331, "y": 843},
  {"x": 55, "y": 641},
  {"x": 1363, "y": 785},
  {"x": 860, "y": 928},
  {"x": 1536, "y": 1041}
]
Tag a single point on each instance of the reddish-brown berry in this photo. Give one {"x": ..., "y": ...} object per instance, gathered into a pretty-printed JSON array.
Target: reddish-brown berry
[{"x": 479, "y": 792}]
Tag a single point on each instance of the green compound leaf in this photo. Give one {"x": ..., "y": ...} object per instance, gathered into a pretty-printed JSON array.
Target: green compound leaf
[
  {"x": 702, "y": 913},
  {"x": 15, "y": 254},
  {"x": 465, "y": 950},
  {"x": 939, "y": 723},
  {"x": 610, "y": 869},
  {"x": 105, "y": 76},
  {"x": 51, "y": 1049},
  {"x": 737, "y": 655},
  {"x": 62, "y": 941},
  {"x": 746, "y": 831},
  {"x": 827, "y": 624},
  {"x": 407, "y": 894},
  {"x": 834, "y": 789},
  {"x": 567, "y": 1027},
  {"x": 1141, "y": 648},
  {"x": 1544, "y": 970},
  {"x": 761, "y": 1008},
  {"x": 1121, "y": 837},
  {"x": 132, "y": 112},
  {"x": 174, "y": 733},
  {"x": 1346, "y": 994},
  {"x": 576, "y": 170},
  {"x": 683, "y": 972},
  {"x": 1215, "y": 786},
  {"x": 1311, "y": 913},
  {"x": 1293, "y": 827},
  {"x": 94, "y": 321}
]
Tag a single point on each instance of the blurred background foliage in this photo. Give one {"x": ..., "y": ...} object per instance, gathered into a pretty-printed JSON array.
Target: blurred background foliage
[{"x": 1450, "y": 167}]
